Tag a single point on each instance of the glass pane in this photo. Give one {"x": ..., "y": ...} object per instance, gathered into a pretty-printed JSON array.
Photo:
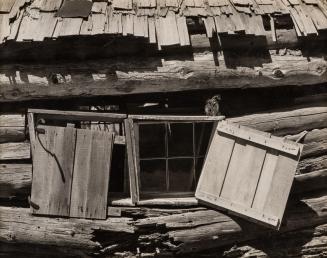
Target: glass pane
[
  {"x": 180, "y": 175},
  {"x": 153, "y": 175},
  {"x": 152, "y": 140},
  {"x": 180, "y": 139},
  {"x": 202, "y": 136}
]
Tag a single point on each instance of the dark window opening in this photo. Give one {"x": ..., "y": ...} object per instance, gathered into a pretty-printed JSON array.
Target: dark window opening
[{"x": 171, "y": 156}]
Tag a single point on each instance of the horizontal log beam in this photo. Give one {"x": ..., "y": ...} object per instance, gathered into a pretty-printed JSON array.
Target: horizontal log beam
[
  {"x": 188, "y": 232},
  {"x": 15, "y": 151},
  {"x": 312, "y": 164},
  {"x": 154, "y": 75},
  {"x": 309, "y": 242},
  {"x": 286, "y": 122},
  {"x": 311, "y": 181},
  {"x": 12, "y": 128}
]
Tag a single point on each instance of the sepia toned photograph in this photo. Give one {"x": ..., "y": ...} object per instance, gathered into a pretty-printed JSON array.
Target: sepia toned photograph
[{"x": 163, "y": 128}]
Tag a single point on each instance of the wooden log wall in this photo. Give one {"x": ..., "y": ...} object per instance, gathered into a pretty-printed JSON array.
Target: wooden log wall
[{"x": 190, "y": 231}]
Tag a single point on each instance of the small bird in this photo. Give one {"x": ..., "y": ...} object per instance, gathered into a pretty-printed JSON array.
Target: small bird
[{"x": 212, "y": 106}]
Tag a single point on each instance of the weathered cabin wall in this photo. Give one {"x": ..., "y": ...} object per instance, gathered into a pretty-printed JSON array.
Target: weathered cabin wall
[
  {"x": 172, "y": 230},
  {"x": 197, "y": 71}
]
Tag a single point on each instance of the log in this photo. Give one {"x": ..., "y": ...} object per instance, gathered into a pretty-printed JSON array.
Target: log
[
  {"x": 12, "y": 128},
  {"x": 17, "y": 225},
  {"x": 311, "y": 181},
  {"x": 188, "y": 232},
  {"x": 202, "y": 230},
  {"x": 15, "y": 151},
  {"x": 315, "y": 143},
  {"x": 308, "y": 243},
  {"x": 15, "y": 180},
  {"x": 285, "y": 121},
  {"x": 119, "y": 77},
  {"x": 312, "y": 164}
]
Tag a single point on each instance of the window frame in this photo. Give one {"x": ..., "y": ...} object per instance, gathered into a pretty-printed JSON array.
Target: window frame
[{"x": 132, "y": 145}]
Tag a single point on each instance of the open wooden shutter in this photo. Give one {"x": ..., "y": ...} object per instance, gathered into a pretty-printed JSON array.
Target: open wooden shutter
[
  {"x": 249, "y": 173},
  {"x": 53, "y": 162},
  {"x": 71, "y": 172},
  {"x": 91, "y": 174}
]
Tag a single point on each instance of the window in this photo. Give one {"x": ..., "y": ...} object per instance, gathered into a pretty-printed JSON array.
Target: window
[{"x": 168, "y": 154}]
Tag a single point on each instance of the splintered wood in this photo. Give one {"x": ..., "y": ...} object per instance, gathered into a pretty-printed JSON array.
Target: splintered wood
[
  {"x": 71, "y": 172},
  {"x": 249, "y": 173}
]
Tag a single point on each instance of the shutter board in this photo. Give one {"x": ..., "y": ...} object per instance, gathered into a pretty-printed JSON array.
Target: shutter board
[
  {"x": 71, "y": 171},
  {"x": 252, "y": 176},
  {"x": 52, "y": 170},
  {"x": 91, "y": 174}
]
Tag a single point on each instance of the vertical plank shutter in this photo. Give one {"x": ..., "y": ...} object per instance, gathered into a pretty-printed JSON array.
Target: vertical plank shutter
[
  {"x": 53, "y": 161},
  {"x": 71, "y": 172},
  {"x": 249, "y": 173},
  {"x": 91, "y": 174}
]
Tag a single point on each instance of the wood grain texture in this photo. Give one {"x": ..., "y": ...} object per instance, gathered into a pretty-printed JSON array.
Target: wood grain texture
[
  {"x": 216, "y": 165},
  {"x": 52, "y": 171},
  {"x": 258, "y": 179},
  {"x": 167, "y": 76},
  {"x": 91, "y": 174},
  {"x": 15, "y": 151}
]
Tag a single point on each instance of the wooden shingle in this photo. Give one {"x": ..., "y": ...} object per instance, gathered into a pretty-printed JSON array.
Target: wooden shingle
[
  {"x": 122, "y": 4},
  {"x": 70, "y": 26},
  {"x": 14, "y": 26},
  {"x": 86, "y": 27},
  {"x": 152, "y": 30},
  {"x": 45, "y": 26},
  {"x": 99, "y": 7},
  {"x": 184, "y": 37},
  {"x": 4, "y": 26},
  {"x": 127, "y": 24},
  {"x": 210, "y": 26},
  {"x": 317, "y": 16},
  {"x": 6, "y": 5},
  {"x": 166, "y": 30},
  {"x": 98, "y": 23},
  {"x": 46, "y": 5},
  {"x": 28, "y": 27},
  {"x": 16, "y": 7}
]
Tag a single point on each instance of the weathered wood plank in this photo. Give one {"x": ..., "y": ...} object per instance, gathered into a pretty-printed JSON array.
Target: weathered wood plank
[
  {"x": 90, "y": 181},
  {"x": 53, "y": 170},
  {"x": 15, "y": 151},
  {"x": 78, "y": 115}
]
